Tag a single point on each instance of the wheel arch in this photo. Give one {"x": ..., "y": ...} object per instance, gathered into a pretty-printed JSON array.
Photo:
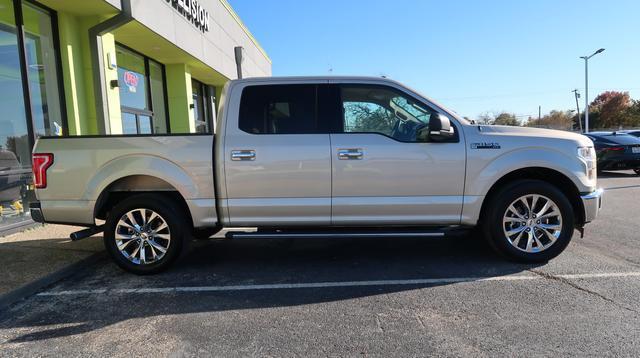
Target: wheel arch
[
  {"x": 130, "y": 185},
  {"x": 551, "y": 176}
]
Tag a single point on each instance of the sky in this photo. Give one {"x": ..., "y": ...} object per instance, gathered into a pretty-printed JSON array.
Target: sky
[{"x": 472, "y": 56}]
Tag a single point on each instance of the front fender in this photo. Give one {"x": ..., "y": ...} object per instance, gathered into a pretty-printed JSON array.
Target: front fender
[{"x": 482, "y": 173}]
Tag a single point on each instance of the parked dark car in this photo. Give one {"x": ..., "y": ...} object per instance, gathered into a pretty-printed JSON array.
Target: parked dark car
[
  {"x": 616, "y": 150},
  {"x": 634, "y": 132}
]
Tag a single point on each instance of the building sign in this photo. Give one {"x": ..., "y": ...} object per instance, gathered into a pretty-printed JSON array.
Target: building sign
[
  {"x": 193, "y": 11},
  {"x": 131, "y": 80}
]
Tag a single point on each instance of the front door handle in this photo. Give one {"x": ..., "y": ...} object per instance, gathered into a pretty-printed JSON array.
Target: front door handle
[
  {"x": 350, "y": 154},
  {"x": 238, "y": 155}
]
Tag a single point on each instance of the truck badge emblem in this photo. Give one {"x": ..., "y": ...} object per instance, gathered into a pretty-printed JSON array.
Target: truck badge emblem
[{"x": 485, "y": 145}]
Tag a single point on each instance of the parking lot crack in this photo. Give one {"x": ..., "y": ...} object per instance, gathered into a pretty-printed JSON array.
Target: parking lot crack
[
  {"x": 580, "y": 288},
  {"x": 379, "y": 324}
]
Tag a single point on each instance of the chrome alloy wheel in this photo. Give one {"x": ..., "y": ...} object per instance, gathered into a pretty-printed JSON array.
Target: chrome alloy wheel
[
  {"x": 142, "y": 236},
  {"x": 532, "y": 223}
]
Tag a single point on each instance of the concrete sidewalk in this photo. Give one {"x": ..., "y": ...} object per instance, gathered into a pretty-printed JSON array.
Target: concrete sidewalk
[{"x": 39, "y": 257}]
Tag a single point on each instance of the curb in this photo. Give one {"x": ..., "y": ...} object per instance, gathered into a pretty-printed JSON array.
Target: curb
[{"x": 33, "y": 287}]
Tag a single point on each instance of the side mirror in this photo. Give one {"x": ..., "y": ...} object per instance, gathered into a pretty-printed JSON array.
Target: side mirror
[{"x": 440, "y": 128}]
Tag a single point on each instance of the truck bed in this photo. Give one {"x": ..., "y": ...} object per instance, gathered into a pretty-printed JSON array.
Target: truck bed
[{"x": 84, "y": 167}]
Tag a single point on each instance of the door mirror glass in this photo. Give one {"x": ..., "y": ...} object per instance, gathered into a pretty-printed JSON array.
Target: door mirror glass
[{"x": 440, "y": 128}]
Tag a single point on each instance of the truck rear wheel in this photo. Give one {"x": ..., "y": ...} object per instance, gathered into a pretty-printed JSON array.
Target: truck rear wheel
[
  {"x": 145, "y": 233},
  {"x": 529, "y": 221}
]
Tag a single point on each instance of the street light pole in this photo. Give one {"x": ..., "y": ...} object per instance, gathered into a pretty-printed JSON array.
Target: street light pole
[
  {"x": 586, "y": 94},
  {"x": 586, "y": 88}
]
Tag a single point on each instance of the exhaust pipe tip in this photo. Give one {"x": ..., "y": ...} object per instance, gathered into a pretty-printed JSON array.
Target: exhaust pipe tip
[{"x": 85, "y": 233}]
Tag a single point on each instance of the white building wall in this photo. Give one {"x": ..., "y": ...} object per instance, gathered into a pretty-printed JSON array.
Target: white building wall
[{"x": 214, "y": 47}]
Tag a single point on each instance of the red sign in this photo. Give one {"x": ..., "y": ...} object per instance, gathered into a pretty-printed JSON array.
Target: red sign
[{"x": 131, "y": 79}]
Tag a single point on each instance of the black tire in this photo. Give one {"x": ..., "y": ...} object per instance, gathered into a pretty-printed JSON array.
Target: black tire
[
  {"x": 494, "y": 228},
  {"x": 179, "y": 230},
  {"x": 637, "y": 171}
]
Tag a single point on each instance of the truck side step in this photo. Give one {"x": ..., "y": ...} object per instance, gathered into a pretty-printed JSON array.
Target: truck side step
[{"x": 285, "y": 234}]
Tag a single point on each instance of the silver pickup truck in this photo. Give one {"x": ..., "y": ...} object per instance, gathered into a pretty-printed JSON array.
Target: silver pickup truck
[{"x": 321, "y": 157}]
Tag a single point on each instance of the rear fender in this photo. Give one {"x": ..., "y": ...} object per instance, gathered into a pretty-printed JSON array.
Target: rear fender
[{"x": 142, "y": 165}]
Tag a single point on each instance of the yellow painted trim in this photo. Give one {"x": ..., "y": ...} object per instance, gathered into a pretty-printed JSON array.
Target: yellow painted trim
[{"x": 244, "y": 28}]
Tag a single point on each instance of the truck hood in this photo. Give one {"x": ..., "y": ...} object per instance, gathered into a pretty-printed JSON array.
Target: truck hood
[{"x": 530, "y": 132}]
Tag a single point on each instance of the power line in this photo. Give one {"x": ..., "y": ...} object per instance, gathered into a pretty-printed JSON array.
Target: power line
[{"x": 521, "y": 94}]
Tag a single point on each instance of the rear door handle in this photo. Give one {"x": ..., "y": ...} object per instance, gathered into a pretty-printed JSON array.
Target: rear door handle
[
  {"x": 238, "y": 155},
  {"x": 350, "y": 154}
]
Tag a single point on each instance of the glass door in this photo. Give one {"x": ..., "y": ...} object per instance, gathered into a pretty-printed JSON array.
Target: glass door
[{"x": 203, "y": 106}]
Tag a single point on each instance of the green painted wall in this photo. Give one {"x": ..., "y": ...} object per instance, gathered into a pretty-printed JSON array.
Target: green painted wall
[
  {"x": 179, "y": 93},
  {"x": 73, "y": 74},
  {"x": 91, "y": 121},
  {"x": 6, "y": 15},
  {"x": 78, "y": 75},
  {"x": 113, "y": 94}
]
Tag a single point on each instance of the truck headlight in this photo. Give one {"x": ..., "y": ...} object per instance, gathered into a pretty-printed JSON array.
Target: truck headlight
[{"x": 588, "y": 156}]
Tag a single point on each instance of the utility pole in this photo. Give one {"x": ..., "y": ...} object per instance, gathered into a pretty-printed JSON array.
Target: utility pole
[
  {"x": 586, "y": 88},
  {"x": 539, "y": 113},
  {"x": 577, "y": 95}
]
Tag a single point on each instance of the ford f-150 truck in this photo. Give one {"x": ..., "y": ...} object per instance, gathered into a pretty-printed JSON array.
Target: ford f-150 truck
[{"x": 320, "y": 157}]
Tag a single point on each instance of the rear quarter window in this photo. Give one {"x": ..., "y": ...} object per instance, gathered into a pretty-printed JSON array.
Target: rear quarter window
[{"x": 278, "y": 109}]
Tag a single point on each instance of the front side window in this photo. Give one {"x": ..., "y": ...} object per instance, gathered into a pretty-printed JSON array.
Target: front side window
[
  {"x": 377, "y": 109},
  {"x": 279, "y": 109}
]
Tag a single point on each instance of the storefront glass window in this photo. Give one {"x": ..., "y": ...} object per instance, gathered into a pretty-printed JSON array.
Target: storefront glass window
[
  {"x": 132, "y": 79},
  {"x": 203, "y": 106},
  {"x": 15, "y": 137},
  {"x": 142, "y": 93},
  {"x": 129, "y": 125},
  {"x": 42, "y": 72}
]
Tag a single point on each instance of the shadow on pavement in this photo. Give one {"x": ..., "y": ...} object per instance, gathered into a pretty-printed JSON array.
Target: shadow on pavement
[
  {"x": 222, "y": 262},
  {"x": 620, "y": 174}
]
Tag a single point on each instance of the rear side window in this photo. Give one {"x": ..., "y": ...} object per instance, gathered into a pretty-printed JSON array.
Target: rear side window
[{"x": 279, "y": 109}]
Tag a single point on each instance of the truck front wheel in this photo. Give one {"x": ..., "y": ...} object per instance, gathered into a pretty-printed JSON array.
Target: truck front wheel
[
  {"x": 529, "y": 221},
  {"x": 145, "y": 233}
]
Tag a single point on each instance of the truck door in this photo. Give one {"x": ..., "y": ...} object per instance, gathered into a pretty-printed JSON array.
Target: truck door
[
  {"x": 381, "y": 173},
  {"x": 277, "y": 158}
]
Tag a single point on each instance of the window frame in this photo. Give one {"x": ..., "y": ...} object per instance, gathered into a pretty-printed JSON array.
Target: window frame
[
  {"x": 341, "y": 125},
  {"x": 149, "y": 97}
]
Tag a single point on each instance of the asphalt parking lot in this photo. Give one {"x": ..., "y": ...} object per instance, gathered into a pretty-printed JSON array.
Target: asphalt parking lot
[{"x": 404, "y": 297}]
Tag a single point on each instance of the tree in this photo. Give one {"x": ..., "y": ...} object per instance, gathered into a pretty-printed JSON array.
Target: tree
[
  {"x": 554, "y": 120},
  {"x": 366, "y": 117},
  {"x": 485, "y": 118},
  {"x": 506, "y": 119},
  {"x": 502, "y": 118},
  {"x": 632, "y": 114},
  {"x": 610, "y": 110}
]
